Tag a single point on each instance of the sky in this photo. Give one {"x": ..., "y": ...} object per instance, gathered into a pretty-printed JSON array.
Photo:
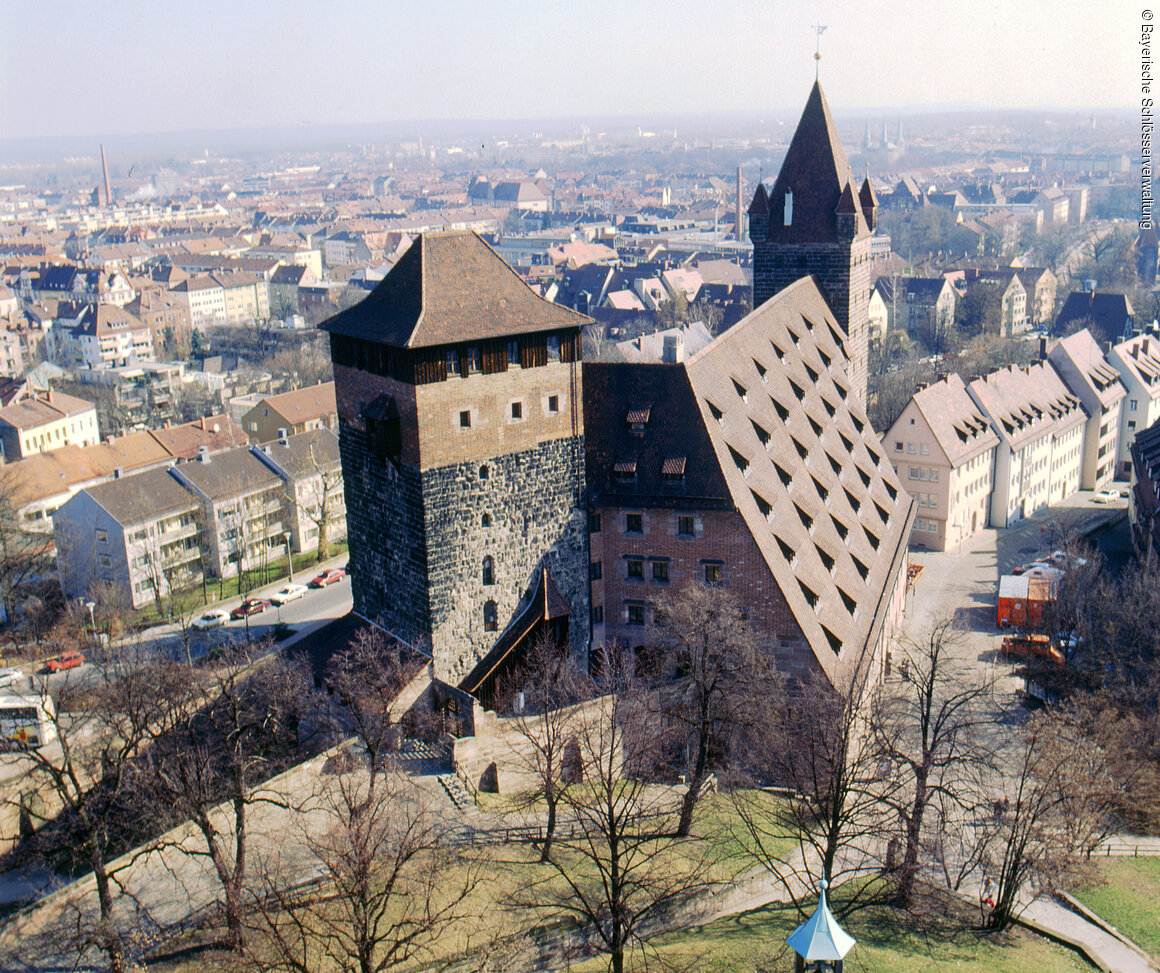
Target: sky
[{"x": 79, "y": 67}]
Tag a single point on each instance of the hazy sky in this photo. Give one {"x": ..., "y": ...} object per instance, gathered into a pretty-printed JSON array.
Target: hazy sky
[{"x": 87, "y": 67}]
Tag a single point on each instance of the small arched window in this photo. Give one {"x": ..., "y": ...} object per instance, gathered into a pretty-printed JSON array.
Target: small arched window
[
  {"x": 490, "y": 617},
  {"x": 488, "y": 570},
  {"x": 483, "y": 472},
  {"x": 485, "y": 521}
]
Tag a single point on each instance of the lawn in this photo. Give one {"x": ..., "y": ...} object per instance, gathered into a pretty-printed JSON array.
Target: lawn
[
  {"x": 888, "y": 940},
  {"x": 1128, "y": 899}
]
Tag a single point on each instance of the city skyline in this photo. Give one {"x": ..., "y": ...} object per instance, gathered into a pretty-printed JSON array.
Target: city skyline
[{"x": 261, "y": 64}]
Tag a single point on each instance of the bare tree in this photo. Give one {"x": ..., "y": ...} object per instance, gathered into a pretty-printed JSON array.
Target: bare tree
[
  {"x": 1054, "y": 815},
  {"x": 233, "y": 728},
  {"x": 547, "y": 722},
  {"x": 101, "y": 723},
  {"x": 391, "y": 885},
  {"x": 836, "y": 797},
  {"x": 717, "y": 686},
  {"x": 933, "y": 727},
  {"x": 614, "y": 865},
  {"x": 24, "y": 554},
  {"x": 320, "y": 497}
]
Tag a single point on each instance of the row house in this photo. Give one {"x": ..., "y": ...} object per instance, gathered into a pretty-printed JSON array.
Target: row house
[
  {"x": 43, "y": 482},
  {"x": 1137, "y": 361},
  {"x": 1040, "y": 425},
  {"x": 311, "y": 468},
  {"x": 943, "y": 450},
  {"x": 165, "y": 529},
  {"x": 67, "y": 283},
  {"x": 20, "y": 339},
  {"x": 44, "y": 422},
  {"x": 241, "y": 505},
  {"x": 1088, "y": 374}
]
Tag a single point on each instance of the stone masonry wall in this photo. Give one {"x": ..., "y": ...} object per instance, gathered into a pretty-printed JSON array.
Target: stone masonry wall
[
  {"x": 388, "y": 547},
  {"x": 534, "y": 504},
  {"x": 842, "y": 270}
]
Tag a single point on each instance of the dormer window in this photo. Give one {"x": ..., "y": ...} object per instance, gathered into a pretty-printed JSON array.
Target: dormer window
[{"x": 637, "y": 419}]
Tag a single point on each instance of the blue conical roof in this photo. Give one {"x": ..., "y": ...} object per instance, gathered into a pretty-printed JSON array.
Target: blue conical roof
[{"x": 820, "y": 937}]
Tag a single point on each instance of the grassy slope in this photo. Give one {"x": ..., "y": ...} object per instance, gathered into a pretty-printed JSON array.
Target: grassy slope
[{"x": 1128, "y": 899}]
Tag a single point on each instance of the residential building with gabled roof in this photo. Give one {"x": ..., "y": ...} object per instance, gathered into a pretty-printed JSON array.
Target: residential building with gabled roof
[
  {"x": 241, "y": 503},
  {"x": 815, "y": 220},
  {"x": 299, "y": 410},
  {"x": 1040, "y": 425},
  {"x": 139, "y": 534},
  {"x": 751, "y": 465},
  {"x": 1082, "y": 366},
  {"x": 943, "y": 450},
  {"x": 1137, "y": 361},
  {"x": 40, "y": 423},
  {"x": 311, "y": 469}
]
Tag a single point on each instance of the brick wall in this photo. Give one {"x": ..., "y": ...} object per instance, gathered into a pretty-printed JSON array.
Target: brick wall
[{"x": 719, "y": 538}]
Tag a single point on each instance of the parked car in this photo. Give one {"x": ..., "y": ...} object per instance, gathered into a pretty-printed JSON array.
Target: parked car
[
  {"x": 1105, "y": 496},
  {"x": 211, "y": 619},
  {"x": 251, "y": 606},
  {"x": 11, "y": 677},
  {"x": 66, "y": 660},
  {"x": 329, "y": 576},
  {"x": 288, "y": 592}
]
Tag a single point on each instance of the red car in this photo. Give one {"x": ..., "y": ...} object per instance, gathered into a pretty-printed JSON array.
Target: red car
[
  {"x": 329, "y": 576},
  {"x": 251, "y": 606},
  {"x": 66, "y": 660}
]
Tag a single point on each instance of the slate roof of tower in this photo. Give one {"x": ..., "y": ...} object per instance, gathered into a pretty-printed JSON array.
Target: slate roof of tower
[
  {"x": 768, "y": 423},
  {"x": 817, "y": 171},
  {"x": 450, "y": 287}
]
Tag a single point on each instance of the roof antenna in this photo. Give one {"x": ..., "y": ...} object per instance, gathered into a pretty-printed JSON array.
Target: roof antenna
[{"x": 819, "y": 30}]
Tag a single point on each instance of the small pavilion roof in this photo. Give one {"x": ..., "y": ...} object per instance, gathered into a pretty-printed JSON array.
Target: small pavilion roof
[{"x": 820, "y": 937}]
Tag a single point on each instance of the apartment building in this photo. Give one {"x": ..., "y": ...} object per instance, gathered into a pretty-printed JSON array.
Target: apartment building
[
  {"x": 241, "y": 500},
  {"x": 138, "y": 534},
  {"x": 1137, "y": 361},
  {"x": 1082, "y": 365},
  {"x": 311, "y": 469},
  {"x": 943, "y": 450},
  {"x": 104, "y": 336},
  {"x": 1040, "y": 425}
]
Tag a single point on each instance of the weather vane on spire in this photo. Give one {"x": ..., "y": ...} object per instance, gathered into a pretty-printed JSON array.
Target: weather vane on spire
[{"x": 819, "y": 29}]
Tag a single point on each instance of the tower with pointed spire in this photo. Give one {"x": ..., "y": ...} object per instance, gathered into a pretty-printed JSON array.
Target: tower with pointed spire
[{"x": 815, "y": 222}]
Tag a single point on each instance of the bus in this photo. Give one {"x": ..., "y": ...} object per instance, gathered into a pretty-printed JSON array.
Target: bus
[{"x": 26, "y": 721}]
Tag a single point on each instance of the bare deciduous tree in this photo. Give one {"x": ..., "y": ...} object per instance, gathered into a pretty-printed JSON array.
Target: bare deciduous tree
[
  {"x": 717, "y": 688},
  {"x": 932, "y": 726},
  {"x": 614, "y": 863},
  {"x": 1055, "y": 813},
  {"x": 547, "y": 724}
]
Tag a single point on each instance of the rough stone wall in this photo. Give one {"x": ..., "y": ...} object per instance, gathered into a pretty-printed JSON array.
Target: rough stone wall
[
  {"x": 842, "y": 270},
  {"x": 720, "y": 537},
  {"x": 534, "y": 500},
  {"x": 388, "y": 545}
]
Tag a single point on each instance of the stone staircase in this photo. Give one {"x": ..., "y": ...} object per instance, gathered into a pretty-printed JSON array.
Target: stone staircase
[{"x": 459, "y": 794}]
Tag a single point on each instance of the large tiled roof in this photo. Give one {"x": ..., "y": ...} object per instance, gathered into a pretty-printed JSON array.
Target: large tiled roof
[
  {"x": 184, "y": 441},
  {"x": 659, "y": 399},
  {"x": 1141, "y": 355},
  {"x": 1026, "y": 403},
  {"x": 229, "y": 474},
  {"x": 817, "y": 172},
  {"x": 1102, "y": 379},
  {"x": 447, "y": 288},
  {"x": 143, "y": 496},
  {"x": 805, "y": 468},
  {"x": 305, "y": 453},
  {"x": 958, "y": 424},
  {"x": 31, "y": 412}
]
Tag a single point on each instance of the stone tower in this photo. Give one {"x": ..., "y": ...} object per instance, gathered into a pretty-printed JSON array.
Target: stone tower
[
  {"x": 459, "y": 401},
  {"x": 814, "y": 221}
]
